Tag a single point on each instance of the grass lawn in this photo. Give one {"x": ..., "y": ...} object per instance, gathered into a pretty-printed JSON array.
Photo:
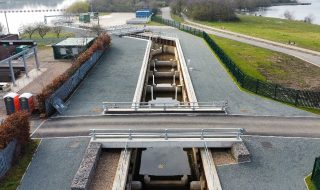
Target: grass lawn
[
  {"x": 309, "y": 183},
  {"x": 48, "y": 35},
  {"x": 177, "y": 18},
  {"x": 103, "y": 13},
  {"x": 279, "y": 30},
  {"x": 12, "y": 179},
  {"x": 271, "y": 66},
  {"x": 152, "y": 23}
]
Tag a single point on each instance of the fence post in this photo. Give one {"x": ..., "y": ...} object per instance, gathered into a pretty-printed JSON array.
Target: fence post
[
  {"x": 257, "y": 85},
  {"x": 296, "y": 99},
  {"x": 275, "y": 91}
]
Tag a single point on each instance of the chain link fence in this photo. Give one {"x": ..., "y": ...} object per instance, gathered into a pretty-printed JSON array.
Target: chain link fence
[{"x": 304, "y": 98}]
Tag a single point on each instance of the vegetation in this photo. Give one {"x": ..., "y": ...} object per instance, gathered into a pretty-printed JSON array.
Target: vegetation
[
  {"x": 12, "y": 179},
  {"x": 270, "y": 66},
  {"x": 310, "y": 183},
  {"x": 218, "y": 10},
  {"x": 78, "y": 7},
  {"x": 284, "y": 31},
  {"x": 42, "y": 29},
  {"x": 177, "y": 18},
  {"x": 15, "y": 126},
  {"x": 100, "y": 43},
  {"x": 127, "y": 5}
]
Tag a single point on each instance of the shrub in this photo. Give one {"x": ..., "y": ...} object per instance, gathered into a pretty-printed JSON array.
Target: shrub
[
  {"x": 100, "y": 43},
  {"x": 16, "y": 126}
]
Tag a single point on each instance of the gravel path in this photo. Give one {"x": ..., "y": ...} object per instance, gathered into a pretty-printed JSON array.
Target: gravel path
[
  {"x": 106, "y": 170},
  {"x": 277, "y": 163}
]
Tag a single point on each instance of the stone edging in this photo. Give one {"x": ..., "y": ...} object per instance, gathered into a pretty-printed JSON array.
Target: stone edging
[{"x": 87, "y": 168}]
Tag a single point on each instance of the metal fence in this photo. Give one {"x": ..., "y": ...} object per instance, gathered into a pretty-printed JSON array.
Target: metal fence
[
  {"x": 55, "y": 101},
  {"x": 6, "y": 156},
  {"x": 277, "y": 92},
  {"x": 315, "y": 176}
]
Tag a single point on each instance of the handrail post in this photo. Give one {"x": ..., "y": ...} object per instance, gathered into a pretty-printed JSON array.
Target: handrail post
[
  {"x": 202, "y": 131},
  {"x": 130, "y": 134},
  {"x": 166, "y": 134},
  {"x": 93, "y": 134}
]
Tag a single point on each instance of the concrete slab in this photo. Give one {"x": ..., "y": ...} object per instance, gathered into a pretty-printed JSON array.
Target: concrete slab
[
  {"x": 113, "y": 79},
  {"x": 54, "y": 164},
  {"x": 277, "y": 163}
]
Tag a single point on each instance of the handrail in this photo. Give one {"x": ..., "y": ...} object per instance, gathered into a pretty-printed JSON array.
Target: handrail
[
  {"x": 179, "y": 105},
  {"x": 167, "y": 133}
]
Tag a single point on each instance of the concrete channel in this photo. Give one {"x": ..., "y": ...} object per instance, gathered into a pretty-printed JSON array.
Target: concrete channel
[{"x": 156, "y": 159}]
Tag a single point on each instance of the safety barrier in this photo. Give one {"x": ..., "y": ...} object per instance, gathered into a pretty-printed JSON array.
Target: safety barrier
[
  {"x": 6, "y": 156},
  {"x": 277, "y": 92}
]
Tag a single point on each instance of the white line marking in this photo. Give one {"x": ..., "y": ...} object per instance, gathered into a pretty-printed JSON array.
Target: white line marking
[
  {"x": 38, "y": 127},
  {"x": 285, "y": 137}
]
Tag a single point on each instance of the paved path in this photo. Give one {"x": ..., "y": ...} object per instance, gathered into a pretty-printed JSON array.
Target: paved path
[
  {"x": 114, "y": 78},
  {"x": 54, "y": 164},
  {"x": 277, "y": 164},
  {"x": 310, "y": 56},
  {"x": 275, "y": 126}
]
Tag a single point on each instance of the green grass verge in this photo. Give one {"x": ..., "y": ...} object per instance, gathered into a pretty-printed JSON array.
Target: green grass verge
[
  {"x": 103, "y": 13},
  {"x": 312, "y": 110},
  {"x": 303, "y": 34},
  {"x": 12, "y": 179},
  {"x": 48, "y": 35},
  {"x": 152, "y": 23},
  {"x": 309, "y": 183},
  {"x": 271, "y": 66},
  {"x": 177, "y": 18}
]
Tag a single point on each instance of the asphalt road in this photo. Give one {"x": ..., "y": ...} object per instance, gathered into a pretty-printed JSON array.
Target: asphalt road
[
  {"x": 301, "y": 54},
  {"x": 254, "y": 125}
]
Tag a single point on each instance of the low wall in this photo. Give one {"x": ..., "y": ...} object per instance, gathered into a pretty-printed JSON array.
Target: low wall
[
  {"x": 87, "y": 168},
  {"x": 6, "y": 157},
  {"x": 70, "y": 85}
]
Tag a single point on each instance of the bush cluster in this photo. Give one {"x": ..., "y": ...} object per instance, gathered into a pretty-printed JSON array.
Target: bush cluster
[
  {"x": 16, "y": 126},
  {"x": 100, "y": 43}
]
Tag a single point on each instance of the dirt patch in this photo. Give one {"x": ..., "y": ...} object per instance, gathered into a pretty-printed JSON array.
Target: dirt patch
[
  {"x": 222, "y": 157},
  {"x": 291, "y": 72},
  {"x": 106, "y": 170}
]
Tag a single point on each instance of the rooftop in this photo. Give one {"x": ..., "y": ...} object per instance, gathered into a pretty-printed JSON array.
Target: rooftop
[{"x": 75, "y": 42}]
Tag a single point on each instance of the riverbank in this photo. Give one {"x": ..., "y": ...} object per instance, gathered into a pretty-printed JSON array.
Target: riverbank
[{"x": 297, "y": 33}]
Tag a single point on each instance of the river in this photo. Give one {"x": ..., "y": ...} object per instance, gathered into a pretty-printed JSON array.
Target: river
[
  {"x": 299, "y": 11},
  {"x": 18, "y": 19}
]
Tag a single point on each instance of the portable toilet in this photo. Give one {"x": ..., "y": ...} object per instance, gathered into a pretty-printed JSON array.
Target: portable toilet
[
  {"x": 11, "y": 101},
  {"x": 26, "y": 102},
  {"x": 84, "y": 17}
]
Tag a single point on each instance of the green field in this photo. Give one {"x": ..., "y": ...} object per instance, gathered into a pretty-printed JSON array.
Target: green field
[
  {"x": 177, "y": 18},
  {"x": 309, "y": 183},
  {"x": 270, "y": 66},
  {"x": 12, "y": 179},
  {"x": 303, "y": 34},
  {"x": 48, "y": 35}
]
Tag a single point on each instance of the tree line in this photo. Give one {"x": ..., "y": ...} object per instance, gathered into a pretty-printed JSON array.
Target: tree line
[{"x": 218, "y": 10}]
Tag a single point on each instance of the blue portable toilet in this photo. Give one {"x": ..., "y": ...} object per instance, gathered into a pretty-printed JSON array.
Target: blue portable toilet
[{"x": 143, "y": 13}]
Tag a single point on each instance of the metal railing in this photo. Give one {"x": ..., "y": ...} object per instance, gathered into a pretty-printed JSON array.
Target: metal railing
[
  {"x": 144, "y": 106},
  {"x": 166, "y": 134}
]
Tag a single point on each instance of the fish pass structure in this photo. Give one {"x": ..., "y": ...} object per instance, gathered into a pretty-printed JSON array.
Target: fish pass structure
[{"x": 164, "y": 84}]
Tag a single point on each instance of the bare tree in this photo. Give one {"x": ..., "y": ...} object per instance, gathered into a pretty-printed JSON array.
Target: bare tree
[
  {"x": 309, "y": 19},
  {"x": 96, "y": 29},
  {"x": 29, "y": 29},
  {"x": 288, "y": 15},
  {"x": 57, "y": 29},
  {"x": 1, "y": 28},
  {"x": 43, "y": 29}
]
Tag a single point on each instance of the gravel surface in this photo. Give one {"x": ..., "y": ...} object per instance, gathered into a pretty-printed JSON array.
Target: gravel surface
[
  {"x": 113, "y": 79},
  {"x": 277, "y": 163},
  {"x": 106, "y": 170},
  {"x": 222, "y": 157},
  {"x": 54, "y": 164},
  {"x": 211, "y": 82}
]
